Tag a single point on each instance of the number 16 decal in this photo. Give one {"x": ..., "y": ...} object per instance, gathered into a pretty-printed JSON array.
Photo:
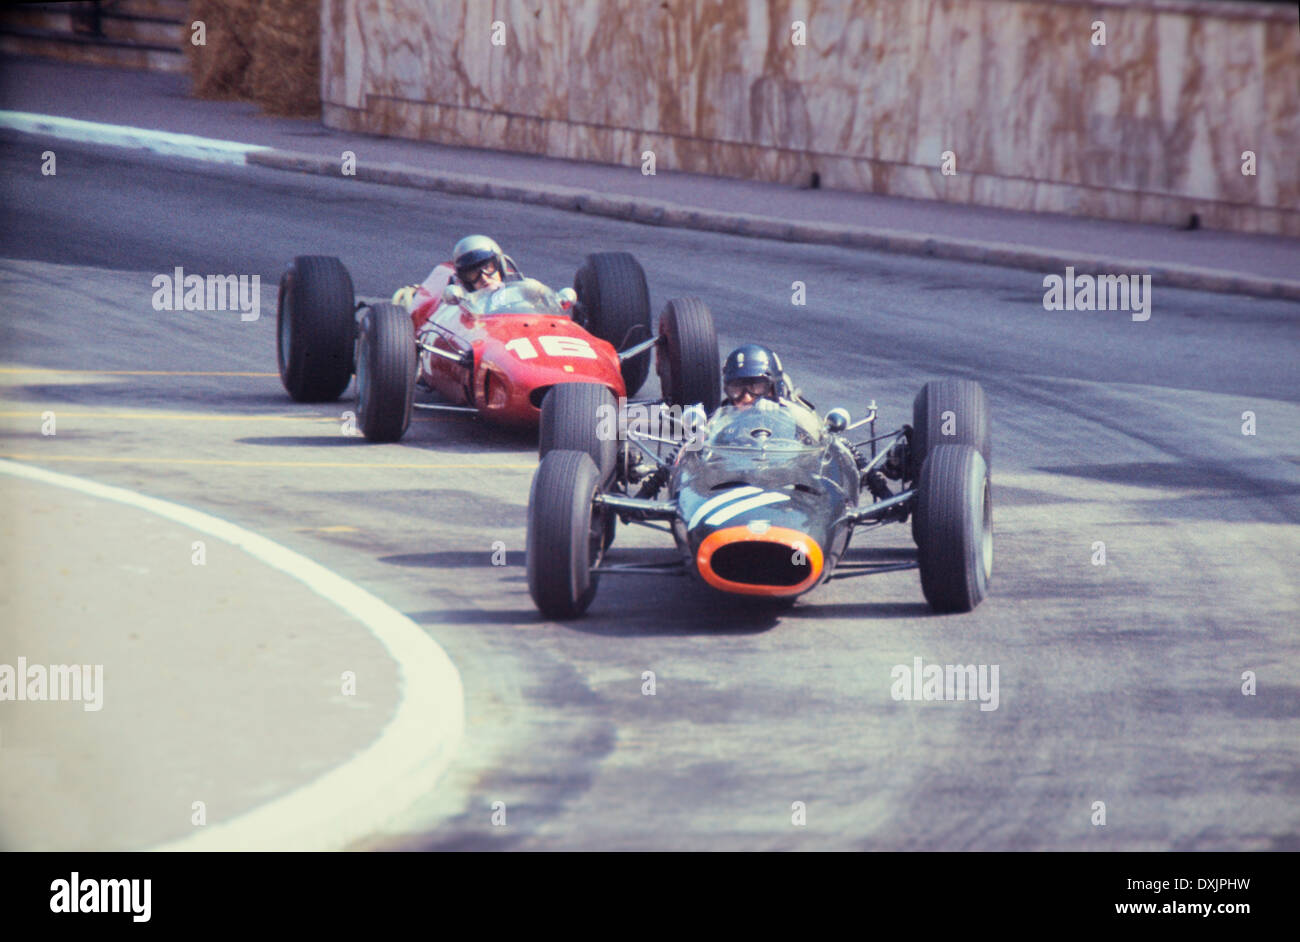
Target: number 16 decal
[{"x": 552, "y": 346}]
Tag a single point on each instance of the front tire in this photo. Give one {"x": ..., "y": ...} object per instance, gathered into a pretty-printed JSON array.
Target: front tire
[
  {"x": 954, "y": 520},
  {"x": 315, "y": 328},
  {"x": 690, "y": 370},
  {"x": 385, "y": 373},
  {"x": 565, "y": 536},
  {"x": 614, "y": 305}
]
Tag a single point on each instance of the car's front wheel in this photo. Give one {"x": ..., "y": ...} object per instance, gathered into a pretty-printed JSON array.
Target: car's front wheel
[
  {"x": 315, "y": 328},
  {"x": 385, "y": 373},
  {"x": 566, "y": 535}
]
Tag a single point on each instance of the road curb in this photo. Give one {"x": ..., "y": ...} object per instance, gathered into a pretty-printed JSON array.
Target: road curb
[
  {"x": 678, "y": 216},
  {"x": 660, "y": 213},
  {"x": 167, "y": 143}
]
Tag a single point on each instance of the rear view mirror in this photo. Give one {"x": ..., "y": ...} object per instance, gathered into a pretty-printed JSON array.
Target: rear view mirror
[
  {"x": 453, "y": 294},
  {"x": 567, "y": 296},
  {"x": 837, "y": 420}
]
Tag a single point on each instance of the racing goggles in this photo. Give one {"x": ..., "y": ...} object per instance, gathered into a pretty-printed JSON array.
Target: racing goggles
[
  {"x": 758, "y": 388},
  {"x": 480, "y": 274}
]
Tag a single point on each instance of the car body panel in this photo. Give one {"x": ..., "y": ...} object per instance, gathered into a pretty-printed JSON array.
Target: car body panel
[
  {"x": 515, "y": 343},
  {"x": 769, "y": 491}
]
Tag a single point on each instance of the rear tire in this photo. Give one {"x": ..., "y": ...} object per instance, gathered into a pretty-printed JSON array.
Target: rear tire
[
  {"x": 614, "y": 305},
  {"x": 315, "y": 328},
  {"x": 954, "y": 519},
  {"x": 690, "y": 370},
  {"x": 969, "y": 406},
  {"x": 573, "y": 417},
  {"x": 565, "y": 537},
  {"x": 385, "y": 373}
]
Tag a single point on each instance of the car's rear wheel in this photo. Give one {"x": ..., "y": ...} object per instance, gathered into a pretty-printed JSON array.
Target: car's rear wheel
[
  {"x": 687, "y": 357},
  {"x": 566, "y": 536},
  {"x": 954, "y": 522},
  {"x": 947, "y": 412},
  {"x": 614, "y": 305},
  {"x": 385, "y": 372},
  {"x": 581, "y": 417},
  {"x": 315, "y": 328}
]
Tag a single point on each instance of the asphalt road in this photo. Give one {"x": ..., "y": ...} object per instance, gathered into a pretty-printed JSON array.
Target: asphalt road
[{"x": 1119, "y": 683}]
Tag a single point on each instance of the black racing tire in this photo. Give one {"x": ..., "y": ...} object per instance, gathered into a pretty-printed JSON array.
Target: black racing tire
[
  {"x": 614, "y": 305},
  {"x": 566, "y": 536},
  {"x": 581, "y": 417},
  {"x": 315, "y": 328},
  {"x": 690, "y": 370},
  {"x": 385, "y": 372},
  {"x": 969, "y": 406},
  {"x": 954, "y": 518}
]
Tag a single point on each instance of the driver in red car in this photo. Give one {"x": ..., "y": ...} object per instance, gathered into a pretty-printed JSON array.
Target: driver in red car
[{"x": 479, "y": 263}]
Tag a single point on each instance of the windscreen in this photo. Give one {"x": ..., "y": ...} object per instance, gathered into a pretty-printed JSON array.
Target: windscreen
[
  {"x": 765, "y": 424},
  {"x": 528, "y": 296}
]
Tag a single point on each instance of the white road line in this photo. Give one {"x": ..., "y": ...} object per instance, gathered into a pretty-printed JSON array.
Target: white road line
[
  {"x": 361, "y": 795},
  {"x": 117, "y": 135}
]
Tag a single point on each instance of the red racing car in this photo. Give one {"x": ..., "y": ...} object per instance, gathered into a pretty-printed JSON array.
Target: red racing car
[{"x": 493, "y": 352}]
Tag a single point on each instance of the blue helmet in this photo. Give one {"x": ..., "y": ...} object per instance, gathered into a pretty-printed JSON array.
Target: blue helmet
[{"x": 753, "y": 361}]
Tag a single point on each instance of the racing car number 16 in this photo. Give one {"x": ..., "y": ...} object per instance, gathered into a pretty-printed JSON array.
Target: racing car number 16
[{"x": 555, "y": 346}]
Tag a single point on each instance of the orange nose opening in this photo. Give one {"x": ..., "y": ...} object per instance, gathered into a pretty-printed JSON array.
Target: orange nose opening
[{"x": 776, "y": 561}]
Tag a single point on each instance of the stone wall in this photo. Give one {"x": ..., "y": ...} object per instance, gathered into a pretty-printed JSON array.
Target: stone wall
[{"x": 1150, "y": 126}]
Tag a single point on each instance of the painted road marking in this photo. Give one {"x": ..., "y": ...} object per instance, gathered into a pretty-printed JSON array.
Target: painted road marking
[
  {"x": 193, "y": 417},
  {"x": 170, "y": 416},
  {"x": 38, "y": 369},
  {"x": 237, "y": 463},
  {"x": 354, "y": 799},
  {"x": 118, "y": 135}
]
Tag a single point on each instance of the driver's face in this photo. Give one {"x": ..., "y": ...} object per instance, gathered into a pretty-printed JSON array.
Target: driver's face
[
  {"x": 745, "y": 392},
  {"x": 485, "y": 276}
]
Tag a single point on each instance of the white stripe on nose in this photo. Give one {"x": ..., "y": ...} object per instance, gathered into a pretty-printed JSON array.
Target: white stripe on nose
[
  {"x": 714, "y": 502},
  {"x": 749, "y": 503}
]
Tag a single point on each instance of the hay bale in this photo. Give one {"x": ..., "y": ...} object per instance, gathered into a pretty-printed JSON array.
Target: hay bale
[
  {"x": 284, "y": 77},
  {"x": 219, "y": 69},
  {"x": 266, "y": 51}
]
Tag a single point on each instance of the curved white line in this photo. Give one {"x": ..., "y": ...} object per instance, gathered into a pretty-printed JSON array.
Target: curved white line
[
  {"x": 352, "y": 800},
  {"x": 734, "y": 494},
  {"x": 117, "y": 135}
]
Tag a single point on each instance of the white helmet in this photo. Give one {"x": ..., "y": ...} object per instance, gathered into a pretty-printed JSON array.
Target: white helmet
[{"x": 473, "y": 253}]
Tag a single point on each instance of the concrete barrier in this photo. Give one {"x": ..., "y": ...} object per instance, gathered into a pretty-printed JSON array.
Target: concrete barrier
[{"x": 1142, "y": 110}]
